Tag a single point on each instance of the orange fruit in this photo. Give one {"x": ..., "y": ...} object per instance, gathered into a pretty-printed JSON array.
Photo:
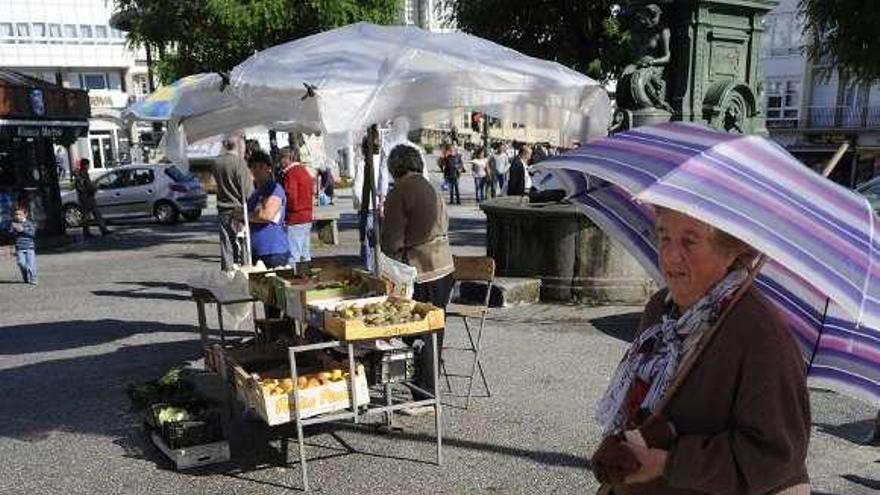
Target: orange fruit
[{"x": 302, "y": 382}]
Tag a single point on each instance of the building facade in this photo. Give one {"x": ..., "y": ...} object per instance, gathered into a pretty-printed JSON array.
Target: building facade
[
  {"x": 812, "y": 107},
  {"x": 70, "y": 43}
]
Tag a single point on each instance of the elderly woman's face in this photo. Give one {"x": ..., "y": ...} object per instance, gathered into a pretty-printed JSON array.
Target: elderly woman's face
[{"x": 690, "y": 261}]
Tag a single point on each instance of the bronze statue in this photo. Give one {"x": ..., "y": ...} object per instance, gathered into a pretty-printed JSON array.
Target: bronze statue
[{"x": 642, "y": 84}]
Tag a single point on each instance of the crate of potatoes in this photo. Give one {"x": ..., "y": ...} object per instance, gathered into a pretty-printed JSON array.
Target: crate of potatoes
[{"x": 376, "y": 318}]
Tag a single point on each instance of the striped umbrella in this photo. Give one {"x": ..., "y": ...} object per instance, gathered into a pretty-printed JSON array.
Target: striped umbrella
[{"x": 820, "y": 238}]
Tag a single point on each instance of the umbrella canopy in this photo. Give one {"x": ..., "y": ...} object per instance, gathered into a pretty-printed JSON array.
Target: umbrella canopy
[
  {"x": 188, "y": 96},
  {"x": 341, "y": 81},
  {"x": 820, "y": 237}
]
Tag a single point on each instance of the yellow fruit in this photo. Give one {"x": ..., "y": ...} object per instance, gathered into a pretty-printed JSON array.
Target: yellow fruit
[
  {"x": 287, "y": 385},
  {"x": 324, "y": 375},
  {"x": 302, "y": 382},
  {"x": 336, "y": 374},
  {"x": 313, "y": 382}
]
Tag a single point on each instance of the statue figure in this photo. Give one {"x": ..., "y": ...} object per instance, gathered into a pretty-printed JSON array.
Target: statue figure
[{"x": 642, "y": 84}]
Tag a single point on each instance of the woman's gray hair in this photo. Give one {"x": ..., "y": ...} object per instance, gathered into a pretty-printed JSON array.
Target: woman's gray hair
[{"x": 405, "y": 158}]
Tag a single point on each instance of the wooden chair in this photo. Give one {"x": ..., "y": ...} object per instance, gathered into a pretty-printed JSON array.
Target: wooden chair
[{"x": 473, "y": 269}]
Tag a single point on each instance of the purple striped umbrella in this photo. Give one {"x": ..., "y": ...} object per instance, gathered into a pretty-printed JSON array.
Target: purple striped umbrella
[{"x": 820, "y": 238}]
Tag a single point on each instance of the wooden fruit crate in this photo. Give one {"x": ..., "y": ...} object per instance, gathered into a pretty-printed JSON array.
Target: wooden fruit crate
[
  {"x": 294, "y": 294},
  {"x": 277, "y": 409},
  {"x": 357, "y": 329}
]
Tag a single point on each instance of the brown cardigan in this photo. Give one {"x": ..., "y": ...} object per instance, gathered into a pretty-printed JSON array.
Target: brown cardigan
[
  {"x": 742, "y": 417},
  {"x": 415, "y": 228}
]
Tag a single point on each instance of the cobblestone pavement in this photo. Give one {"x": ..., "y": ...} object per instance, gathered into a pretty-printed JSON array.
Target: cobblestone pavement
[{"x": 112, "y": 311}]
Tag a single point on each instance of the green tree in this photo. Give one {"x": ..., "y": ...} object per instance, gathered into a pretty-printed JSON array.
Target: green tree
[
  {"x": 583, "y": 35},
  {"x": 844, "y": 32},
  {"x": 190, "y": 36}
]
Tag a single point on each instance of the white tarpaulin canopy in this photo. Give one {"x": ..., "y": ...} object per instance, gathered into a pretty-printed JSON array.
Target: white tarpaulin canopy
[{"x": 340, "y": 82}]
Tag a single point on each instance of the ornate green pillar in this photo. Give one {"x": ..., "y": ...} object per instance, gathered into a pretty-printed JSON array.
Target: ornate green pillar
[{"x": 711, "y": 71}]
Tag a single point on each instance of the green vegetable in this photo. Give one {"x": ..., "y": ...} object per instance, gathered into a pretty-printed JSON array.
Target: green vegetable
[{"x": 172, "y": 415}]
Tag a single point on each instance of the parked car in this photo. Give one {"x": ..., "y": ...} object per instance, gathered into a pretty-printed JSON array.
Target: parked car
[{"x": 159, "y": 190}]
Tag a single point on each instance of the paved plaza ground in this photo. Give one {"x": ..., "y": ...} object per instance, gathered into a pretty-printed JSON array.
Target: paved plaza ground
[{"x": 113, "y": 311}]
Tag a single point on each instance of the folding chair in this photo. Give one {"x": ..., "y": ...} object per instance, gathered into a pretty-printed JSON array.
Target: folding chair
[{"x": 473, "y": 269}]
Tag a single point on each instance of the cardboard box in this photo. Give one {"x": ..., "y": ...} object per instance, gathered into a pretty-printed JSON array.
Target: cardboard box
[
  {"x": 357, "y": 329},
  {"x": 277, "y": 409}
]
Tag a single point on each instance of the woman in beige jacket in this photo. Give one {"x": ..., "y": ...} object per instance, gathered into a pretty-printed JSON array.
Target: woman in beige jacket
[{"x": 414, "y": 232}]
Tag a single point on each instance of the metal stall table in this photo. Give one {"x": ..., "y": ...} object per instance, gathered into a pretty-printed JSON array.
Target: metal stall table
[{"x": 354, "y": 414}]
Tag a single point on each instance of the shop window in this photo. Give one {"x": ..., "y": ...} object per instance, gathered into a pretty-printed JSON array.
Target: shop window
[
  {"x": 85, "y": 31},
  {"x": 783, "y": 100},
  {"x": 70, "y": 31},
  {"x": 93, "y": 81}
]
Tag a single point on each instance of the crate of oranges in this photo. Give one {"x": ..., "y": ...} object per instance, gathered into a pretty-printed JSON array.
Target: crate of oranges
[{"x": 317, "y": 393}]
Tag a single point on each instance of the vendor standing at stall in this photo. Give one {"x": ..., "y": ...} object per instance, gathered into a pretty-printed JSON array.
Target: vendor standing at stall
[{"x": 415, "y": 233}]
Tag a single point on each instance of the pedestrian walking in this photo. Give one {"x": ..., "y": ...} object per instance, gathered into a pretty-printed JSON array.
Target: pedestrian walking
[
  {"x": 297, "y": 183},
  {"x": 516, "y": 180},
  {"x": 326, "y": 187},
  {"x": 480, "y": 171},
  {"x": 500, "y": 165},
  {"x": 452, "y": 169},
  {"x": 23, "y": 233},
  {"x": 234, "y": 182},
  {"x": 85, "y": 193}
]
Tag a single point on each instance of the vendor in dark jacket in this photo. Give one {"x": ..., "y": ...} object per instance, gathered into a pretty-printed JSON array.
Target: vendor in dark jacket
[
  {"x": 519, "y": 167},
  {"x": 739, "y": 423},
  {"x": 415, "y": 232}
]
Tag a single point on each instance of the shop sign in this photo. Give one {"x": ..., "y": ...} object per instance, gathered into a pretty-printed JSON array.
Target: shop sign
[
  {"x": 45, "y": 131},
  {"x": 100, "y": 101}
]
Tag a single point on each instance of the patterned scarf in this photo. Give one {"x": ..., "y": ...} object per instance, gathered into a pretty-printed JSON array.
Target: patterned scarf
[{"x": 654, "y": 355}]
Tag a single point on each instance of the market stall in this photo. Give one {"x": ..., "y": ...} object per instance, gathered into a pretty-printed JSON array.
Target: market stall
[{"x": 335, "y": 354}]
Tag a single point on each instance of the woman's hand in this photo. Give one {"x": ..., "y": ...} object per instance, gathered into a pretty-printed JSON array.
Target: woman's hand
[{"x": 652, "y": 461}]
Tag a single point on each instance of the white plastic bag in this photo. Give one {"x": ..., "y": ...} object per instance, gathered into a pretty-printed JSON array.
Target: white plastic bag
[{"x": 400, "y": 274}]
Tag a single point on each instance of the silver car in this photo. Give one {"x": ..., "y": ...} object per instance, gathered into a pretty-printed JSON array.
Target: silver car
[{"x": 159, "y": 190}]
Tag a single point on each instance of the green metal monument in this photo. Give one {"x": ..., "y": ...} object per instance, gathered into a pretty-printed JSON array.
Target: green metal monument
[{"x": 694, "y": 60}]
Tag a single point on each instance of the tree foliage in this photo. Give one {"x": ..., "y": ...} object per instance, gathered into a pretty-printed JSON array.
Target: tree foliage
[
  {"x": 844, "y": 33},
  {"x": 583, "y": 35},
  {"x": 190, "y": 36}
]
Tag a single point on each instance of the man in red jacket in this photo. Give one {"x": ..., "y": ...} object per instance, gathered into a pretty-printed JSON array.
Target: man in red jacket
[{"x": 299, "y": 187}]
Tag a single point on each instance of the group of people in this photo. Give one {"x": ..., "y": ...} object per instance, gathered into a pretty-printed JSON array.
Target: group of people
[
  {"x": 279, "y": 212},
  {"x": 494, "y": 174}
]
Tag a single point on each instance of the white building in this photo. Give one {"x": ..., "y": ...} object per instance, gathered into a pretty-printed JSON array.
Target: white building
[
  {"x": 432, "y": 15},
  {"x": 811, "y": 109},
  {"x": 70, "y": 42}
]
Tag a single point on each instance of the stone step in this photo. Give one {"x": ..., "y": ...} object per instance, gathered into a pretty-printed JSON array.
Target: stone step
[{"x": 506, "y": 292}]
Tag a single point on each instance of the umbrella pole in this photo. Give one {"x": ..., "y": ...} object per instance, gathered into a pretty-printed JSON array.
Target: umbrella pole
[
  {"x": 832, "y": 163},
  {"x": 246, "y": 249},
  {"x": 818, "y": 335}
]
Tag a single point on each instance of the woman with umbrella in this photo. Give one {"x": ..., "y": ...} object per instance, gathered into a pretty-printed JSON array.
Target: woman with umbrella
[{"x": 684, "y": 414}]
